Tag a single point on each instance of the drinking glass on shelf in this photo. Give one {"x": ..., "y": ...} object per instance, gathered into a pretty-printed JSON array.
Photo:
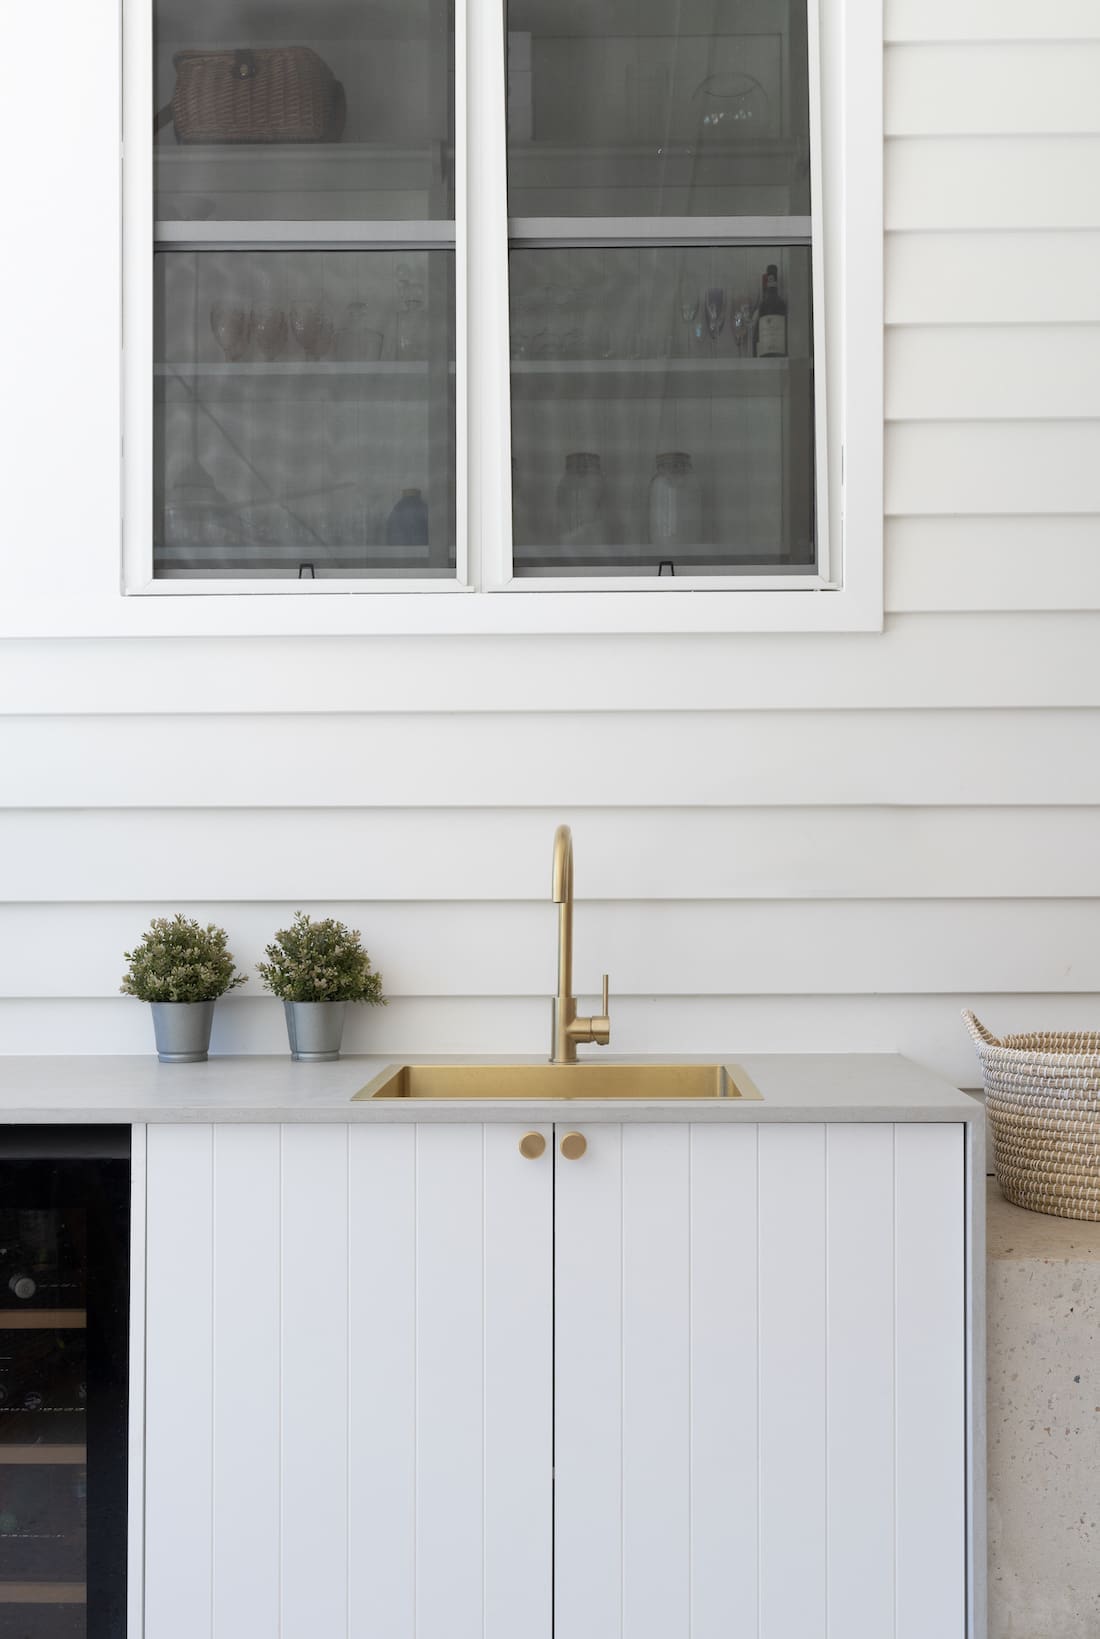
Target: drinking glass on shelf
[
  {"x": 595, "y": 339},
  {"x": 312, "y": 328},
  {"x": 411, "y": 338},
  {"x": 269, "y": 327},
  {"x": 232, "y": 327},
  {"x": 412, "y": 332},
  {"x": 742, "y": 325},
  {"x": 688, "y": 301},
  {"x": 358, "y": 340},
  {"x": 715, "y": 305}
]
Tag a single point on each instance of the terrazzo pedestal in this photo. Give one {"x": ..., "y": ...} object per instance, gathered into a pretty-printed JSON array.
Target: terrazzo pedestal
[{"x": 1044, "y": 1424}]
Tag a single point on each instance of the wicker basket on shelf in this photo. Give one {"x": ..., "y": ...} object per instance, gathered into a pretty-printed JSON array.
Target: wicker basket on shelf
[
  {"x": 276, "y": 94},
  {"x": 1042, "y": 1092}
]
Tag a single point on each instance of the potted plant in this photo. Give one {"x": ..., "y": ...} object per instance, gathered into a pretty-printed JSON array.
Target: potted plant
[
  {"x": 181, "y": 969},
  {"x": 316, "y": 968}
]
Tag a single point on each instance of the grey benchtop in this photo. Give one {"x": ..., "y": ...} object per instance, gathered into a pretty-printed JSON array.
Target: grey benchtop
[{"x": 794, "y": 1087}]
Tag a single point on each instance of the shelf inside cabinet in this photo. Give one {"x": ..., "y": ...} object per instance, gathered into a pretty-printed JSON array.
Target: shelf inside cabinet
[
  {"x": 659, "y": 378},
  {"x": 304, "y": 380},
  {"x": 46, "y": 1320},
  {"x": 58, "y": 1456},
  {"x": 43, "y": 1593},
  {"x": 306, "y": 185}
]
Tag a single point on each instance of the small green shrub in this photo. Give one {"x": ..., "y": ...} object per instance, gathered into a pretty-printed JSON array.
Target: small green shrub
[
  {"x": 320, "y": 962},
  {"x": 179, "y": 961}
]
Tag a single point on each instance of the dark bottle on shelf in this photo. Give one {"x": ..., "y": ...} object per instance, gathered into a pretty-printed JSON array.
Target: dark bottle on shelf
[
  {"x": 754, "y": 328},
  {"x": 771, "y": 325}
]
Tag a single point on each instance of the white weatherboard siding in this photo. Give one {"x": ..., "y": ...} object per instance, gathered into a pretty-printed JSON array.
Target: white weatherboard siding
[{"x": 828, "y": 842}]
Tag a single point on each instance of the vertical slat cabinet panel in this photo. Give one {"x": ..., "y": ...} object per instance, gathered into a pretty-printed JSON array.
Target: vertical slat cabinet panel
[
  {"x": 656, "y": 1380},
  {"x": 724, "y": 1543},
  {"x": 314, "y": 1400},
  {"x": 451, "y": 1350},
  {"x": 588, "y": 1388},
  {"x": 449, "y": 1381},
  {"x": 860, "y": 1367},
  {"x": 246, "y": 1380},
  {"x": 518, "y": 1386},
  {"x": 655, "y": 1384},
  {"x": 930, "y": 1245},
  {"x": 792, "y": 1388},
  {"x": 179, "y": 1402},
  {"x": 382, "y": 1367}
]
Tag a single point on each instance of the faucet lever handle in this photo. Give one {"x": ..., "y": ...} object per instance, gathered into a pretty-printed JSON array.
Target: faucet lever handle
[{"x": 599, "y": 1029}]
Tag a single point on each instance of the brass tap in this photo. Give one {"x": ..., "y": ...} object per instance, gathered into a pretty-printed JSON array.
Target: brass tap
[{"x": 568, "y": 1029}]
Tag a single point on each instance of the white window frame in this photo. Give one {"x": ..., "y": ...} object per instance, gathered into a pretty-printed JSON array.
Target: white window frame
[{"x": 844, "y": 594}]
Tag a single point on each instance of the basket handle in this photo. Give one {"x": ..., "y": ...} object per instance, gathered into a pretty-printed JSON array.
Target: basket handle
[{"x": 979, "y": 1034}]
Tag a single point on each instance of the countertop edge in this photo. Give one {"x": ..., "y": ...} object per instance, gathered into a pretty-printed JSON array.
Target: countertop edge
[
  {"x": 799, "y": 1088},
  {"x": 495, "y": 1111}
]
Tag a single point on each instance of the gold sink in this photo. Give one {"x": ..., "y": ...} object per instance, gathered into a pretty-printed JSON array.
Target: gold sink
[{"x": 554, "y": 1081}]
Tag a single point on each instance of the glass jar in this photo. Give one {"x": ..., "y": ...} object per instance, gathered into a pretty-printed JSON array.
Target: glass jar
[
  {"x": 580, "y": 502},
  {"x": 407, "y": 524},
  {"x": 675, "y": 503}
]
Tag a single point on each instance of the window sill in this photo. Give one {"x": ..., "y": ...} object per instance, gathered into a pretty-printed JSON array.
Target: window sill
[{"x": 403, "y": 614}]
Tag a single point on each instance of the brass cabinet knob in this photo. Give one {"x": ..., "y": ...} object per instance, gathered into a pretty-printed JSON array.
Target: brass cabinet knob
[
  {"x": 573, "y": 1146},
  {"x": 532, "y": 1145}
]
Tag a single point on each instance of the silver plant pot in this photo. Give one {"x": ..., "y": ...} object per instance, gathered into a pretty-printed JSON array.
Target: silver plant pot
[
  {"x": 182, "y": 1030},
  {"x": 315, "y": 1030}
]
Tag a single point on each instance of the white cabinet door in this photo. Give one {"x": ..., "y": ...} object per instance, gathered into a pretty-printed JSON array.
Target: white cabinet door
[
  {"x": 760, "y": 1383},
  {"x": 348, "y": 1383}
]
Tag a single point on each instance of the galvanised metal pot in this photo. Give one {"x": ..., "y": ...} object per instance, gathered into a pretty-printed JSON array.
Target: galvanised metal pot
[
  {"x": 315, "y": 1030},
  {"x": 182, "y": 1030}
]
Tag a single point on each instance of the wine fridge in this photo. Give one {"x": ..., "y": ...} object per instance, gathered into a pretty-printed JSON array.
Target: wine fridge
[{"x": 64, "y": 1281}]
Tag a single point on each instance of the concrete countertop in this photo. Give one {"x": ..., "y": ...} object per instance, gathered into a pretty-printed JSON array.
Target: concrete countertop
[{"x": 794, "y": 1087}]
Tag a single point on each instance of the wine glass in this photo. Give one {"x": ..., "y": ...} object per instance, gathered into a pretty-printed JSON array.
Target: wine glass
[
  {"x": 715, "y": 307},
  {"x": 312, "y": 328},
  {"x": 232, "y": 327},
  {"x": 742, "y": 324},
  {"x": 269, "y": 327},
  {"x": 688, "y": 301}
]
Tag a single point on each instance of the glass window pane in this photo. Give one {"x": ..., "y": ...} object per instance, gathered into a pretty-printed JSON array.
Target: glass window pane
[
  {"x": 635, "y": 108},
  {"x": 662, "y": 411},
  {"x": 304, "y": 414},
  {"x": 314, "y": 110}
]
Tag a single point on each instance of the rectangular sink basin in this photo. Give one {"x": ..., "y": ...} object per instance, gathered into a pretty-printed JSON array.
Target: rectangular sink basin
[{"x": 564, "y": 1081}]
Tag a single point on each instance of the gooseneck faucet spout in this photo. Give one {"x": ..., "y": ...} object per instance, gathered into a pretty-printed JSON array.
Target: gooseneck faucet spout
[{"x": 568, "y": 1029}]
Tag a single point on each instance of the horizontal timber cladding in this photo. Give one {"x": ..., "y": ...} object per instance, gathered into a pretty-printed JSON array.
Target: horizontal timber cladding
[
  {"x": 990, "y": 89},
  {"x": 136, "y": 858},
  {"x": 795, "y": 758},
  {"x": 981, "y": 21},
  {"x": 655, "y": 948},
  {"x": 955, "y": 662}
]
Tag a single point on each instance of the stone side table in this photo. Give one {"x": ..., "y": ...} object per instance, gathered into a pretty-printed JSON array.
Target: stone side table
[{"x": 1044, "y": 1424}]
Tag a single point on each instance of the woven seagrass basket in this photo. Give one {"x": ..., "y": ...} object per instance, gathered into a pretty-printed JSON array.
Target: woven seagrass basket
[
  {"x": 277, "y": 94},
  {"x": 1042, "y": 1093}
]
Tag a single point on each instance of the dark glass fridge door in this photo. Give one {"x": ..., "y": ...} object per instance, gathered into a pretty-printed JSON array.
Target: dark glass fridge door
[{"x": 64, "y": 1305}]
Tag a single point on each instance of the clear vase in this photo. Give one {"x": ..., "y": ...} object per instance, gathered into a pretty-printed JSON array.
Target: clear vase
[
  {"x": 580, "y": 502},
  {"x": 675, "y": 503}
]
